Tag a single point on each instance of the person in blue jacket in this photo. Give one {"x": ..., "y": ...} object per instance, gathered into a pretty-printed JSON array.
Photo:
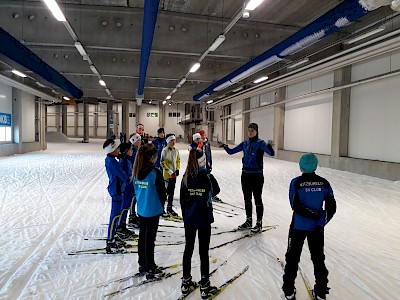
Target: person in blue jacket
[
  {"x": 116, "y": 187},
  {"x": 313, "y": 204},
  {"x": 252, "y": 178},
  {"x": 197, "y": 189},
  {"x": 124, "y": 156},
  {"x": 160, "y": 143},
  {"x": 150, "y": 195}
]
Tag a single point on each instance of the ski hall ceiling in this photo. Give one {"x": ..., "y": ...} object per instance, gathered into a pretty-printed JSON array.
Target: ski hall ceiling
[{"x": 110, "y": 32}]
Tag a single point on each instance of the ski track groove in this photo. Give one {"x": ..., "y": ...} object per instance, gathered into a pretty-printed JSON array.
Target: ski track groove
[{"x": 33, "y": 254}]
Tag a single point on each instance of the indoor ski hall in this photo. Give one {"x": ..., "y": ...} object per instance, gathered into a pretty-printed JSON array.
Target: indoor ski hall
[{"x": 106, "y": 105}]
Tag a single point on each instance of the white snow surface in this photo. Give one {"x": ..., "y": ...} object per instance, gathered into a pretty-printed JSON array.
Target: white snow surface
[{"x": 55, "y": 202}]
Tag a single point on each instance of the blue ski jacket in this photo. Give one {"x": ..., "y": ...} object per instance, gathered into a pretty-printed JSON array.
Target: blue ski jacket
[
  {"x": 150, "y": 191},
  {"x": 159, "y": 144},
  {"x": 308, "y": 195},
  {"x": 253, "y": 153},
  {"x": 116, "y": 176}
]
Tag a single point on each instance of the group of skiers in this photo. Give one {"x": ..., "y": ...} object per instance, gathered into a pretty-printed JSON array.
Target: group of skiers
[{"x": 137, "y": 180}]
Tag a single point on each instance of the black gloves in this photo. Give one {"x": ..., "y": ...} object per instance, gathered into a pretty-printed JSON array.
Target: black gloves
[
  {"x": 177, "y": 172},
  {"x": 222, "y": 145}
]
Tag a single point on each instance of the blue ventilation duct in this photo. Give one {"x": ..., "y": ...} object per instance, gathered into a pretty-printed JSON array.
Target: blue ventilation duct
[
  {"x": 340, "y": 16},
  {"x": 149, "y": 24},
  {"x": 14, "y": 50}
]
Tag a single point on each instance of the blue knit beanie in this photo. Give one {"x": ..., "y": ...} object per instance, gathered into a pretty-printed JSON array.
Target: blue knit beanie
[{"x": 308, "y": 163}]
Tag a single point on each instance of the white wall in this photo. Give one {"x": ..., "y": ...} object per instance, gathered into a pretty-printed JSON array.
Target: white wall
[
  {"x": 171, "y": 123},
  {"x": 150, "y": 123},
  {"x": 374, "y": 131},
  {"x": 308, "y": 125},
  {"x": 265, "y": 120},
  {"x": 28, "y": 117},
  {"x": 217, "y": 128},
  {"x": 5, "y": 98},
  {"x": 238, "y": 122}
]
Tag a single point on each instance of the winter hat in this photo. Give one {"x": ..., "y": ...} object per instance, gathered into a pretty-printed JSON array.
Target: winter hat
[
  {"x": 202, "y": 132},
  {"x": 196, "y": 136},
  {"x": 110, "y": 145},
  {"x": 125, "y": 147},
  {"x": 308, "y": 163},
  {"x": 134, "y": 138},
  {"x": 170, "y": 137},
  {"x": 160, "y": 130},
  {"x": 253, "y": 126}
]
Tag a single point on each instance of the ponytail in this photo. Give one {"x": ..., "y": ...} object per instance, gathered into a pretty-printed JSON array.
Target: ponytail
[{"x": 144, "y": 155}]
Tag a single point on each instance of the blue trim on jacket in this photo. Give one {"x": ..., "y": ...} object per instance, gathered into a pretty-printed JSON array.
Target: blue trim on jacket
[{"x": 116, "y": 176}]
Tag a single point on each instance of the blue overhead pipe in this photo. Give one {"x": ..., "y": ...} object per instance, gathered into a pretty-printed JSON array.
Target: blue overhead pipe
[
  {"x": 346, "y": 12},
  {"x": 14, "y": 50},
  {"x": 149, "y": 24}
]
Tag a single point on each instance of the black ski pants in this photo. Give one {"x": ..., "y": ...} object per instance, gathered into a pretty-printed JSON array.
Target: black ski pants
[
  {"x": 252, "y": 185},
  {"x": 170, "y": 185},
  {"x": 147, "y": 238},
  {"x": 204, "y": 235},
  {"x": 295, "y": 245}
]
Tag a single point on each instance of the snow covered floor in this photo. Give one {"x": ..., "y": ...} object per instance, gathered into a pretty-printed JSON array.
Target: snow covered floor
[{"x": 55, "y": 202}]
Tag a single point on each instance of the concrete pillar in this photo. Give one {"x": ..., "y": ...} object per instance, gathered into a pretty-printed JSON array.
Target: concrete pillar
[
  {"x": 125, "y": 117},
  {"x": 76, "y": 119},
  {"x": 161, "y": 115},
  {"x": 64, "y": 119},
  {"x": 17, "y": 118},
  {"x": 340, "y": 117},
  {"x": 85, "y": 123},
  {"x": 245, "y": 117},
  {"x": 110, "y": 119},
  {"x": 279, "y": 120}
]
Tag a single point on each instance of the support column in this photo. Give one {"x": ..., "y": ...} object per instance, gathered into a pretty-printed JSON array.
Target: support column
[
  {"x": 161, "y": 116},
  {"x": 245, "y": 117},
  {"x": 76, "y": 119},
  {"x": 64, "y": 119},
  {"x": 279, "y": 120},
  {"x": 340, "y": 117},
  {"x": 110, "y": 119},
  {"x": 125, "y": 117},
  {"x": 85, "y": 123}
]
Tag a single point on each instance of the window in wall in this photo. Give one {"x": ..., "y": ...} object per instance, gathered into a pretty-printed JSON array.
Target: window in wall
[{"x": 174, "y": 114}]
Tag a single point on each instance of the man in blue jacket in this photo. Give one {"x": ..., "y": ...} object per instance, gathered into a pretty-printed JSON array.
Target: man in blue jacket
[
  {"x": 252, "y": 174},
  {"x": 308, "y": 195},
  {"x": 160, "y": 143}
]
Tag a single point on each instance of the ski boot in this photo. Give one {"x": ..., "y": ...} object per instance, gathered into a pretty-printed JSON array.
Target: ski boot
[
  {"x": 171, "y": 212},
  {"x": 154, "y": 272},
  {"x": 188, "y": 286},
  {"x": 134, "y": 221},
  {"x": 206, "y": 290},
  {"x": 112, "y": 247},
  {"x": 257, "y": 228},
  {"x": 216, "y": 199},
  {"x": 124, "y": 233},
  {"x": 246, "y": 225},
  {"x": 290, "y": 294},
  {"x": 320, "y": 294}
]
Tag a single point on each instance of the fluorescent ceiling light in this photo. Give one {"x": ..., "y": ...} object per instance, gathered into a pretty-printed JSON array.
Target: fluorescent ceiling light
[
  {"x": 365, "y": 35},
  {"x": 210, "y": 101},
  {"x": 183, "y": 80},
  {"x": 252, "y": 4},
  {"x": 170, "y": 104},
  {"x": 150, "y": 102},
  {"x": 80, "y": 49},
  {"x": 174, "y": 90},
  {"x": 223, "y": 86},
  {"x": 108, "y": 92},
  {"x": 246, "y": 15},
  {"x": 39, "y": 84},
  {"x": 55, "y": 10},
  {"x": 66, "y": 98},
  {"x": 101, "y": 81},
  {"x": 261, "y": 79},
  {"x": 2, "y": 96},
  {"x": 300, "y": 62},
  {"x": 16, "y": 72},
  {"x": 218, "y": 41},
  {"x": 254, "y": 69},
  {"x": 195, "y": 67},
  {"x": 202, "y": 97},
  {"x": 94, "y": 70},
  {"x": 168, "y": 97},
  {"x": 165, "y": 101}
]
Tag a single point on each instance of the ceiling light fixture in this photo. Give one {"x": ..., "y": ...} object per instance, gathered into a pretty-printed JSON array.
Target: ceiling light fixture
[
  {"x": 94, "y": 70},
  {"x": 246, "y": 15},
  {"x": 261, "y": 79},
  {"x": 252, "y": 4},
  {"x": 210, "y": 101},
  {"x": 108, "y": 92},
  {"x": 80, "y": 49},
  {"x": 365, "y": 35},
  {"x": 218, "y": 41},
  {"x": 150, "y": 102},
  {"x": 183, "y": 80},
  {"x": 16, "y": 72},
  {"x": 168, "y": 97},
  {"x": 55, "y": 10},
  {"x": 195, "y": 67},
  {"x": 165, "y": 101},
  {"x": 66, "y": 98},
  {"x": 174, "y": 90},
  {"x": 102, "y": 82},
  {"x": 39, "y": 84},
  {"x": 300, "y": 62}
]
